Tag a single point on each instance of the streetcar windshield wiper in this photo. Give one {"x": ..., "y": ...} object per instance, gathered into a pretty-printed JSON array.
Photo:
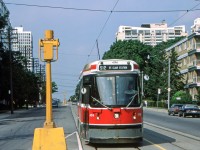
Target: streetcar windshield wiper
[
  {"x": 132, "y": 99},
  {"x": 100, "y": 103}
]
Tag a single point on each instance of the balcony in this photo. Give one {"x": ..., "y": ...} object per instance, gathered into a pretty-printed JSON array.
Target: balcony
[
  {"x": 194, "y": 48},
  {"x": 195, "y": 81},
  {"x": 195, "y": 65}
]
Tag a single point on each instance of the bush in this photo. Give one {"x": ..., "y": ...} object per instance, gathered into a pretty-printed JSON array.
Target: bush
[{"x": 185, "y": 98}]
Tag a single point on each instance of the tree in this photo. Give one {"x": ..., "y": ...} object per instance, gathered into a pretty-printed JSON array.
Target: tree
[
  {"x": 43, "y": 90},
  {"x": 129, "y": 49},
  {"x": 197, "y": 96},
  {"x": 25, "y": 83},
  {"x": 156, "y": 67},
  {"x": 3, "y": 20},
  {"x": 175, "y": 75}
]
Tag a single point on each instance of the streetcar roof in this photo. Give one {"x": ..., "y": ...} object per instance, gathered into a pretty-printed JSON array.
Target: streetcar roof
[{"x": 110, "y": 65}]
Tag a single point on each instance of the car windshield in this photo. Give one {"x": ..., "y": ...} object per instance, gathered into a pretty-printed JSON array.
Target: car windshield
[
  {"x": 191, "y": 106},
  {"x": 115, "y": 90}
]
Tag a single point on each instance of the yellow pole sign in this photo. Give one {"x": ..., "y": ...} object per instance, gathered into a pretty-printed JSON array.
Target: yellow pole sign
[{"x": 49, "y": 137}]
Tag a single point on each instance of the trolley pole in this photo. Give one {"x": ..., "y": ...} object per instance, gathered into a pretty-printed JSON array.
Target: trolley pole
[{"x": 49, "y": 137}]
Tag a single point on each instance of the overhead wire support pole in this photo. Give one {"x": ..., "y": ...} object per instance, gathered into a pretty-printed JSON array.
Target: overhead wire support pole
[
  {"x": 8, "y": 37},
  {"x": 11, "y": 72},
  {"x": 103, "y": 28},
  {"x": 169, "y": 89},
  {"x": 98, "y": 49}
]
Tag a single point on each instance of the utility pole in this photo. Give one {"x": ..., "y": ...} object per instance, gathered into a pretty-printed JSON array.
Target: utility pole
[
  {"x": 11, "y": 83},
  {"x": 98, "y": 49},
  {"x": 169, "y": 89},
  {"x": 10, "y": 39},
  {"x": 35, "y": 64}
]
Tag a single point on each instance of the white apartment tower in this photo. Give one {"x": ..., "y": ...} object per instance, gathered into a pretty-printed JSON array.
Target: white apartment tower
[
  {"x": 150, "y": 34},
  {"x": 24, "y": 46},
  {"x": 196, "y": 26}
]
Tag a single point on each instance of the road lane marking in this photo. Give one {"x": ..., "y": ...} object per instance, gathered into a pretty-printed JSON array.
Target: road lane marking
[
  {"x": 78, "y": 139},
  {"x": 156, "y": 145},
  {"x": 70, "y": 134}
]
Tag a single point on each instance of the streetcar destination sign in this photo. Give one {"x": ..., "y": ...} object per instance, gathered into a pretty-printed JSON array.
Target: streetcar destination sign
[{"x": 115, "y": 67}]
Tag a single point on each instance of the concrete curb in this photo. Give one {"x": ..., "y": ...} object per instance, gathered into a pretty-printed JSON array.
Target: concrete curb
[{"x": 156, "y": 109}]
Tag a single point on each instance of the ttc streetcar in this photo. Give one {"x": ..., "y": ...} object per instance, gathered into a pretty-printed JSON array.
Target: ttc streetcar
[{"x": 109, "y": 102}]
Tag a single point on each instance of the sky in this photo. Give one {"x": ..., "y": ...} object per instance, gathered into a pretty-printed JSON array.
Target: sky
[{"x": 77, "y": 24}]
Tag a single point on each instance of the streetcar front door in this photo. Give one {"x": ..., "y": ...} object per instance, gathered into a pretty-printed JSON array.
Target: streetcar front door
[{"x": 86, "y": 97}]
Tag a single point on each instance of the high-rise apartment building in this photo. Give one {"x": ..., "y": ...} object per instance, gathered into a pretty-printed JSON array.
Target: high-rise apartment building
[
  {"x": 196, "y": 26},
  {"x": 188, "y": 50},
  {"x": 24, "y": 46},
  {"x": 150, "y": 34}
]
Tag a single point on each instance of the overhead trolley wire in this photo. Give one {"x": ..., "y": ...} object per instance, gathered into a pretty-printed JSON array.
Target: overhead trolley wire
[
  {"x": 102, "y": 29},
  {"x": 101, "y": 10},
  {"x": 57, "y": 7},
  {"x": 192, "y": 9}
]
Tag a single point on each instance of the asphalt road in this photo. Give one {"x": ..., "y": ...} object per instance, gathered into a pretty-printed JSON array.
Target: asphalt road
[
  {"x": 161, "y": 132},
  {"x": 17, "y": 130},
  {"x": 187, "y": 125}
]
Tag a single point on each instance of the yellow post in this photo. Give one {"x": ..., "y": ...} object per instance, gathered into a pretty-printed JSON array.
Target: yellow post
[
  {"x": 49, "y": 137},
  {"x": 49, "y": 117}
]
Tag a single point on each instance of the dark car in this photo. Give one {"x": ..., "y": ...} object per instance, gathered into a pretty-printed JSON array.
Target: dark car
[
  {"x": 189, "y": 110},
  {"x": 54, "y": 103},
  {"x": 174, "y": 109},
  {"x": 74, "y": 102}
]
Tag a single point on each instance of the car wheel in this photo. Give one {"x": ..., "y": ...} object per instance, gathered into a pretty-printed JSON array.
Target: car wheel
[
  {"x": 179, "y": 114},
  {"x": 169, "y": 113}
]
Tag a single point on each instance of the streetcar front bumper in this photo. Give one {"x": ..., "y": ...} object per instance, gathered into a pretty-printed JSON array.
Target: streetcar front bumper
[{"x": 115, "y": 134}]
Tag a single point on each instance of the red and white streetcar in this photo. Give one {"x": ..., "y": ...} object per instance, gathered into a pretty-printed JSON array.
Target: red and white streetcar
[{"x": 109, "y": 104}]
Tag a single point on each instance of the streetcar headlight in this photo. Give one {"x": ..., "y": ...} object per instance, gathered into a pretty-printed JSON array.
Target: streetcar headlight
[
  {"x": 116, "y": 115},
  {"x": 134, "y": 116}
]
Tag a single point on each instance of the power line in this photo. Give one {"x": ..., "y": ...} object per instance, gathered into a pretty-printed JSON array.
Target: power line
[
  {"x": 102, "y": 29},
  {"x": 57, "y": 7},
  {"x": 65, "y": 74},
  {"x": 184, "y": 14},
  {"x": 101, "y": 10}
]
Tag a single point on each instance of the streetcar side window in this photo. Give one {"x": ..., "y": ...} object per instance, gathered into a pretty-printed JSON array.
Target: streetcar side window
[
  {"x": 87, "y": 85},
  {"x": 86, "y": 96}
]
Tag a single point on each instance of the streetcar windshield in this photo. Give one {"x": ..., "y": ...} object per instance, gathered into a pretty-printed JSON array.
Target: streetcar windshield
[{"x": 117, "y": 90}]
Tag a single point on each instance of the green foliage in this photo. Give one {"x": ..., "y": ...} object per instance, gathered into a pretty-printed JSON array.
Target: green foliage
[
  {"x": 130, "y": 50},
  {"x": 181, "y": 97},
  {"x": 156, "y": 67},
  {"x": 3, "y": 21},
  {"x": 43, "y": 90},
  {"x": 25, "y": 83}
]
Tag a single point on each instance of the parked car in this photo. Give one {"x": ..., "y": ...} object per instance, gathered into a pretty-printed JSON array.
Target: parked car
[
  {"x": 189, "y": 110},
  {"x": 174, "y": 109}
]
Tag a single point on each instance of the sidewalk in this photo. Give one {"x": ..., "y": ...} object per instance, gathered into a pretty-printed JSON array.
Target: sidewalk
[
  {"x": 156, "y": 109},
  {"x": 7, "y": 114}
]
